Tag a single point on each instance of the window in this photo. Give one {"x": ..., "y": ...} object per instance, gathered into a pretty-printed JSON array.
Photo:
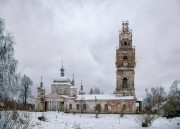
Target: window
[
  {"x": 124, "y": 107},
  {"x": 84, "y": 106},
  {"x": 125, "y": 58},
  {"x": 98, "y": 107},
  {"x": 125, "y": 43},
  {"x": 65, "y": 91},
  {"x": 106, "y": 107},
  {"x": 59, "y": 91},
  {"x": 125, "y": 80},
  {"x": 70, "y": 106},
  {"x": 77, "y": 106}
]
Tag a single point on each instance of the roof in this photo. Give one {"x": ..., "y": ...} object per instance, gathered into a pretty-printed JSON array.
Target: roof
[
  {"x": 52, "y": 95},
  {"x": 62, "y": 80},
  {"x": 159, "y": 106},
  {"x": 65, "y": 96},
  {"x": 62, "y": 83},
  {"x": 104, "y": 97},
  {"x": 140, "y": 99},
  {"x": 55, "y": 95},
  {"x": 73, "y": 87}
]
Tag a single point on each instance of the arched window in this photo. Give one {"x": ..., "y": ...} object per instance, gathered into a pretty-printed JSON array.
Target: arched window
[
  {"x": 106, "y": 107},
  {"x": 125, "y": 58},
  {"x": 77, "y": 106},
  {"x": 124, "y": 107},
  {"x": 125, "y": 43},
  {"x": 84, "y": 106},
  {"x": 125, "y": 80},
  {"x": 65, "y": 91},
  {"x": 70, "y": 106}
]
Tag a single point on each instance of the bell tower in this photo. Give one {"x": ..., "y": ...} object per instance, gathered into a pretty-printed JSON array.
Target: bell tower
[{"x": 125, "y": 62}]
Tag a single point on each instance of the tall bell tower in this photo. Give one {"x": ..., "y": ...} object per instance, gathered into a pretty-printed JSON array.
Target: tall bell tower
[{"x": 125, "y": 62}]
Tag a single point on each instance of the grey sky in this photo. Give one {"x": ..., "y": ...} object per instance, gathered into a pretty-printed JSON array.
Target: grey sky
[{"x": 85, "y": 35}]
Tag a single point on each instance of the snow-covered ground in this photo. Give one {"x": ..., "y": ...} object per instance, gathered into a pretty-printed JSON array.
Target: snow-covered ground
[{"x": 105, "y": 121}]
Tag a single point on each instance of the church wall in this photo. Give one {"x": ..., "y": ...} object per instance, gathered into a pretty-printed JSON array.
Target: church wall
[
  {"x": 114, "y": 106},
  {"x": 67, "y": 105},
  {"x": 72, "y": 92},
  {"x": 39, "y": 104},
  {"x": 54, "y": 103},
  {"x": 128, "y": 74},
  {"x": 62, "y": 89}
]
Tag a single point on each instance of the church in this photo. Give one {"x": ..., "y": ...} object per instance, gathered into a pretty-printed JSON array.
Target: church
[{"x": 65, "y": 96}]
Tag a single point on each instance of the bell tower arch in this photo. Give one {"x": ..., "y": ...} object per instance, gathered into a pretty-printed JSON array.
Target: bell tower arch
[{"x": 125, "y": 62}]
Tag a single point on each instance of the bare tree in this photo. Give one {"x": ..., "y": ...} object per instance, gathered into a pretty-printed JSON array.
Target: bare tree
[
  {"x": 8, "y": 63},
  {"x": 154, "y": 97},
  {"x": 175, "y": 93},
  {"x": 16, "y": 120},
  {"x": 25, "y": 91},
  {"x": 91, "y": 91},
  {"x": 160, "y": 96},
  {"x": 146, "y": 120},
  {"x": 97, "y": 107},
  {"x": 172, "y": 105},
  {"x": 96, "y": 90}
]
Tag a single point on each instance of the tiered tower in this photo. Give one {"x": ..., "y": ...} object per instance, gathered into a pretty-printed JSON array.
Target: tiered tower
[
  {"x": 41, "y": 97},
  {"x": 125, "y": 63}
]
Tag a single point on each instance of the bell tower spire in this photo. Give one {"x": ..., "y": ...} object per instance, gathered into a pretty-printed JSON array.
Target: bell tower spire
[
  {"x": 62, "y": 70},
  {"x": 125, "y": 62},
  {"x": 81, "y": 92},
  {"x": 41, "y": 84},
  {"x": 73, "y": 80},
  {"x": 81, "y": 86}
]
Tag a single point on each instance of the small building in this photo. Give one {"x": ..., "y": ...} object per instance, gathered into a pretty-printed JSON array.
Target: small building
[{"x": 64, "y": 96}]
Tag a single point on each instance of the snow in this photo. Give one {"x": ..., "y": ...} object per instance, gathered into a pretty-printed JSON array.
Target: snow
[
  {"x": 62, "y": 79},
  {"x": 157, "y": 106},
  {"x": 104, "y": 97},
  {"x": 140, "y": 99},
  {"x": 65, "y": 96},
  {"x": 55, "y": 120},
  {"x": 62, "y": 83},
  {"x": 178, "y": 86},
  {"x": 106, "y": 121},
  {"x": 73, "y": 87},
  {"x": 2, "y": 105}
]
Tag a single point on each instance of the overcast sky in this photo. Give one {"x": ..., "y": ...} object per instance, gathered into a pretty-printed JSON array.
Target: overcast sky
[{"x": 85, "y": 34}]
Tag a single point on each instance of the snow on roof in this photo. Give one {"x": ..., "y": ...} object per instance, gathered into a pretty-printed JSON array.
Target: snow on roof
[
  {"x": 62, "y": 83},
  {"x": 140, "y": 99},
  {"x": 65, "y": 96},
  {"x": 157, "y": 106},
  {"x": 103, "y": 97},
  {"x": 73, "y": 87},
  {"x": 62, "y": 80},
  {"x": 53, "y": 94}
]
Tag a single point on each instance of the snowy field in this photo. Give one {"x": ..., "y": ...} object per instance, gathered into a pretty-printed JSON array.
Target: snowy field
[{"x": 105, "y": 121}]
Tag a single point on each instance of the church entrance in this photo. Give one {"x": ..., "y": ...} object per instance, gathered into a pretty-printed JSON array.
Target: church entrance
[
  {"x": 45, "y": 106},
  {"x": 54, "y": 106},
  {"x": 61, "y": 106}
]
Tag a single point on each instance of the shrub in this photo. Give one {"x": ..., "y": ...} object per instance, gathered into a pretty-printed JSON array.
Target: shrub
[{"x": 145, "y": 120}]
